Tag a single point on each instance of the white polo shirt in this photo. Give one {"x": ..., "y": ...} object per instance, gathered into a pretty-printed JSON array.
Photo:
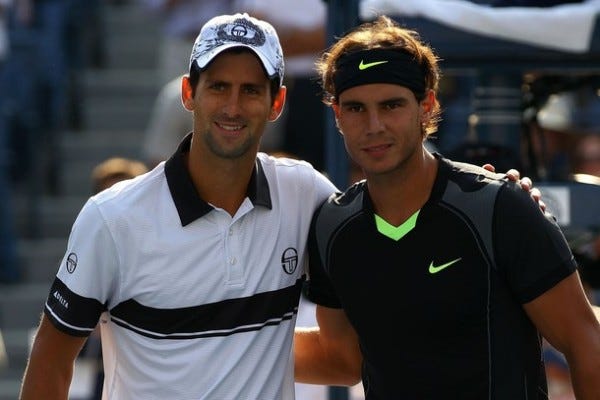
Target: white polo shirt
[{"x": 193, "y": 303}]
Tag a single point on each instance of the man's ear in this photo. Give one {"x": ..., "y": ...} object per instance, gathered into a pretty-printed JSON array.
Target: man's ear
[
  {"x": 428, "y": 102},
  {"x": 187, "y": 98},
  {"x": 336, "y": 112},
  {"x": 278, "y": 104}
]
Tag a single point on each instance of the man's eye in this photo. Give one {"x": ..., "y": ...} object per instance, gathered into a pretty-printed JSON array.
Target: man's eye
[{"x": 354, "y": 108}]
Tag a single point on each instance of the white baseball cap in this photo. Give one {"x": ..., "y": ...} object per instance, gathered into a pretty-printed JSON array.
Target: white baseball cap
[{"x": 239, "y": 30}]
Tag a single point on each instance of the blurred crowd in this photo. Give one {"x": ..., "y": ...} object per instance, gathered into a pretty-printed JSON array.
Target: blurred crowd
[{"x": 44, "y": 46}]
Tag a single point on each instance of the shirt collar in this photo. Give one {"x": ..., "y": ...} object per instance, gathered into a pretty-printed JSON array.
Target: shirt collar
[{"x": 190, "y": 206}]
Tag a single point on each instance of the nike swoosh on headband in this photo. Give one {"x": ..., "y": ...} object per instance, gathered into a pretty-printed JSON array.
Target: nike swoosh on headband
[{"x": 362, "y": 66}]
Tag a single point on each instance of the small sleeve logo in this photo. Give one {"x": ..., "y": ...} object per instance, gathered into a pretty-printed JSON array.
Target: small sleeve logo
[{"x": 71, "y": 262}]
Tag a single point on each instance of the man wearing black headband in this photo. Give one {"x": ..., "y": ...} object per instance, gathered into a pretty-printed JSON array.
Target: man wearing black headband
[{"x": 434, "y": 279}]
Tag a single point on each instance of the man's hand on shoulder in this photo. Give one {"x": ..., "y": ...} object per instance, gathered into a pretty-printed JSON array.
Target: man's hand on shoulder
[{"x": 525, "y": 182}]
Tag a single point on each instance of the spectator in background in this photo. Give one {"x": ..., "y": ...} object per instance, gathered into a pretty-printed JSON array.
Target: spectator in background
[
  {"x": 586, "y": 158},
  {"x": 113, "y": 170},
  {"x": 86, "y": 47},
  {"x": 35, "y": 88},
  {"x": 169, "y": 122},
  {"x": 563, "y": 119},
  {"x": 552, "y": 137}
]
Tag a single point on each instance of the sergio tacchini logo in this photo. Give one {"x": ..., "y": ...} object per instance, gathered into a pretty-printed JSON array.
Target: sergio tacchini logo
[
  {"x": 362, "y": 66},
  {"x": 434, "y": 269}
]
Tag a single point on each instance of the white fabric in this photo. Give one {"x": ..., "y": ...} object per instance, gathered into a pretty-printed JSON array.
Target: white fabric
[{"x": 567, "y": 27}]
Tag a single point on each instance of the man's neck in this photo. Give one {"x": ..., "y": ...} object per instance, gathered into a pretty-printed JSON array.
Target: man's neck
[
  {"x": 397, "y": 196},
  {"x": 221, "y": 182}
]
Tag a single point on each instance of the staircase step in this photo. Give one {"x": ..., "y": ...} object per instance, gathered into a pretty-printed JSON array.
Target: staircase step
[
  {"x": 127, "y": 47},
  {"x": 22, "y": 305},
  {"x": 16, "y": 342},
  {"x": 40, "y": 258},
  {"x": 47, "y": 216},
  {"x": 119, "y": 99}
]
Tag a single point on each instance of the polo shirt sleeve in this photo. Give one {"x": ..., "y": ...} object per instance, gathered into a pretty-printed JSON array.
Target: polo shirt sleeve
[
  {"x": 531, "y": 250},
  {"x": 324, "y": 187},
  {"x": 87, "y": 275}
]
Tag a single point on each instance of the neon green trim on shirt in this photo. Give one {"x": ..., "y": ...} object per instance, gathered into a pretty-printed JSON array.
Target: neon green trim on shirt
[{"x": 396, "y": 232}]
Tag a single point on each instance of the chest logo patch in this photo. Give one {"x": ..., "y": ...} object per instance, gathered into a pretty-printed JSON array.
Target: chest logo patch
[
  {"x": 434, "y": 269},
  {"x": 289, "y": 260}
]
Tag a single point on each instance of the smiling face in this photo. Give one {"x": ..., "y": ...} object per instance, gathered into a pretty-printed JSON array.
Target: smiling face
[
  {"x": 231, "y": 104},
  {"x": 382, "y": 125}
]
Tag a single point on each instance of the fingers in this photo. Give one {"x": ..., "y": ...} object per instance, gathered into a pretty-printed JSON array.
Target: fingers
[
  {"x": 514, "y": 176},
  {"x": 542, "y": 205},
  {"x": 489, "y": 167},
  {"x": 527, "y": 184},
  {"x": 535, "y": 194}
]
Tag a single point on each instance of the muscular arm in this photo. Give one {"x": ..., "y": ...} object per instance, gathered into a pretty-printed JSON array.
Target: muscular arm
[
  {"x": 328, "y": 355},
  {"x": 50, "y": 367},
  {"x": 565, "y": 318}
]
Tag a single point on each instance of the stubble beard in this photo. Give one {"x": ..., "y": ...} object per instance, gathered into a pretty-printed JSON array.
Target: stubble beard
[{"x": 231, "y": 153}]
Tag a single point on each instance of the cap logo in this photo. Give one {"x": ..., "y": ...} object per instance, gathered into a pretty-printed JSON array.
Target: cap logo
[
  {"x": 242, "y": 31},
  {"x": 239, "y": 30}
]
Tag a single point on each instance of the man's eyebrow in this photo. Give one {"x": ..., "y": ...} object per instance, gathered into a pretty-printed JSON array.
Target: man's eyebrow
[
  {"x": 394, "y": 99},
  {"x": 253, "y": 85},
  {"x": 351, "y": 103}
]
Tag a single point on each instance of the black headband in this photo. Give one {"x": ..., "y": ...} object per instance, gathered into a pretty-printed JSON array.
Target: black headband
[{"x": 378, "y": 66}]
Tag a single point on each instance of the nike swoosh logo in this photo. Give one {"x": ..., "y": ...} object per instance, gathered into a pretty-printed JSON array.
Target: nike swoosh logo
[
  {"x": 434, "y": 269},
  {"x": 362, "y": 66}
]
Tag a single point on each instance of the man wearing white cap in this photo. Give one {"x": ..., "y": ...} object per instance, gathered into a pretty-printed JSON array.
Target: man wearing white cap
[{"x": 194, "y": 270}]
